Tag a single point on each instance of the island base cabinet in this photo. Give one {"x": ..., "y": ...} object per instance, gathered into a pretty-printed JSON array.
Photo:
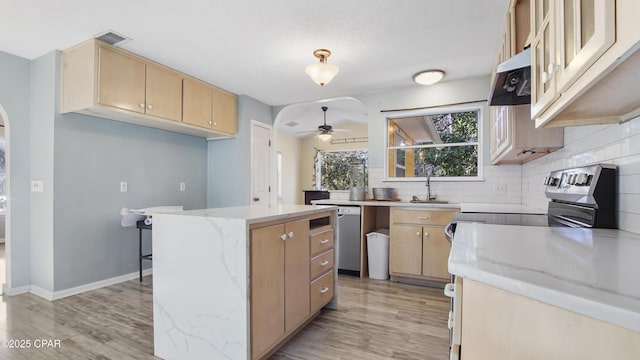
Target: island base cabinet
[
  {"x": 321, "y": 291},
  {"x": 497, "y": 325}
]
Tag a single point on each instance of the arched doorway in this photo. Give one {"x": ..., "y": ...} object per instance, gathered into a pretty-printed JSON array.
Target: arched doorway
[
  {"x": 5, "y": 202},
  {"x": 299, "y": 122}
]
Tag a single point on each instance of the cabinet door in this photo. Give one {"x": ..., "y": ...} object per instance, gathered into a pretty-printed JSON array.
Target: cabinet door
[
  {"x": 296, "y": 273},
  {"x": 501, "y": 137},
  {"x": 586, "y": 30},
  {"x": 163, "y": 93},
  {"x": 121, "y": 81},
  {"x": 405, "y": 249},
  {"x": 196, "y": 103},
  {"x": 224, "y": 111},
  {"x": 435, "y": 252},
  {"x": 267, "y": 288},
  {"x": 544, "y": 60}
]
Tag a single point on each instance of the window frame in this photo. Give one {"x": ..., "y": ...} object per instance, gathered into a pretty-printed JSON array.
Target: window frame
[{"x": 479, "y": 107}]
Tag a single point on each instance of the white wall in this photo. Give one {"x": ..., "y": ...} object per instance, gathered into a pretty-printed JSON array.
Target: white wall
[
  {"x": 290, "y": 147},
  {"x": 583, "y": 145}
]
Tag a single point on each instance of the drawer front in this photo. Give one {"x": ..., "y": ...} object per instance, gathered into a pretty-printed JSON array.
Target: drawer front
[
  {"x": 402, "y": 216},
  {"x": 321, "y": 291},
  {"x": 321, "y": 241},
  {"x": 321, "y": 264}
]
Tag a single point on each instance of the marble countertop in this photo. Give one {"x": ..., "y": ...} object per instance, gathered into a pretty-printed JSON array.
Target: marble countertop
[
  {"x": 257, "y": 213},
  {"x": 464, "y": 207},
  {"x": 589, "y": 271}
]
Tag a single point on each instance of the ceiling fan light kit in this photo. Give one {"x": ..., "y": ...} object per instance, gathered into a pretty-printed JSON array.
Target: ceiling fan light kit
[
  {"x": 325, "y": 130},
  {"x": 322, "y": 72},
  {"x": 428, "y": 77}
]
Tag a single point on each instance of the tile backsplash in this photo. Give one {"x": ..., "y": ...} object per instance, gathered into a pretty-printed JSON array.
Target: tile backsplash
[{"x": 617, "y": 144}]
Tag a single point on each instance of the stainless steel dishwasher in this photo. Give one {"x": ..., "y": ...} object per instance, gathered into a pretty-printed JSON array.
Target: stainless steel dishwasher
[{"x": 349, "y": 240}]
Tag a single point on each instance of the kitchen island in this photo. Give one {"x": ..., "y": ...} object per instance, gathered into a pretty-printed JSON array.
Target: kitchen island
[
  {"x": 236, "y": 283},
  {"x": 546, "y": 292}
]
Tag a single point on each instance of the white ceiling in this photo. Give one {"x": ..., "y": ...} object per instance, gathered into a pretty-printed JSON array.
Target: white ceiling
[{"x": 260, "y": 48}]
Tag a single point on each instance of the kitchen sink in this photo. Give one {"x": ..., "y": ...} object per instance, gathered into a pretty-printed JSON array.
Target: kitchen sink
[{"x": 418, "y": 201}]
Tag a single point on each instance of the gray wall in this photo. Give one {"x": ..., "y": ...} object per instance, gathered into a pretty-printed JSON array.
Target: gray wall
[
  {"x": 15, "y": 87},
  {"x": 229, "y": 182},
  {"x": 82, "y": 160},
  {"x": 43, "y": 105}
]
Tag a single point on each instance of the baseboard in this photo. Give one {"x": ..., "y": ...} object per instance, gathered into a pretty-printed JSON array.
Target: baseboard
[
  {"x": 55, "y": 295},
  {"x": 16, "y": 290}
]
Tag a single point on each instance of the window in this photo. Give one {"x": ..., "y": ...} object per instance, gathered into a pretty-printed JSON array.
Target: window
[
  {"x": 444, "y": 141},
  {"x": 341, "y": 170}
]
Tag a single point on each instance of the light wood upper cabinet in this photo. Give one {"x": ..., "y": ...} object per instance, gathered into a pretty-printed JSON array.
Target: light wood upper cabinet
[
  {"x": 209, "y": 107},
  {"x": 196, "y": 103},
  {"x": 514, "y": 138},
  {"x": 121, "y": 81},
  {"x": 224, "y": 114},
  {"x": 591, "y": 64},
  {"x": 164, "y": 93},
  {"x": 105, "y": 81}
]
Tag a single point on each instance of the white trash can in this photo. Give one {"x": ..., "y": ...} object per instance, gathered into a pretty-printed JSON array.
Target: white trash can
[{"x": 378, "y": 251}]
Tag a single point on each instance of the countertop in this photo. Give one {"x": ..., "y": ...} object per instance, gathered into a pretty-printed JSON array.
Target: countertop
[
  {"x": 257, "y": 213},
  {"x": 385, "y": 203},
  {"x": 589, "y": 271},
  {"x": 464, "y": 207}
]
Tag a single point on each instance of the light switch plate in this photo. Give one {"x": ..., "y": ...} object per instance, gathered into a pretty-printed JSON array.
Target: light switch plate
[
  {"x": 37, "y": 186},
  {"x": 183, "y": 186},
  {"x": 123, "y": 186}
]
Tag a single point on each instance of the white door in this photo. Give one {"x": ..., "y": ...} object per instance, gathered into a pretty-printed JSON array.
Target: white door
[{"x": 260, "y": 163}]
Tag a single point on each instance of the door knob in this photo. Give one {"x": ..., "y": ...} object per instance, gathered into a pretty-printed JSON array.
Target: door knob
[
  {"x": 283, "y": 237},
  {"x": 290, "y": 234}
]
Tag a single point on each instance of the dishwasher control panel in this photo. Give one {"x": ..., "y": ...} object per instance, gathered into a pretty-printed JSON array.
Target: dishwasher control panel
[{"x": 348, "y": 210}]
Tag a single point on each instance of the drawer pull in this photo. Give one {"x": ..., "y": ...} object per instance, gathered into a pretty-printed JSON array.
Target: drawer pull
[
  {"x": 325, "y": 241},
  {"x": 423, "y": 218},
  {"x": 324, "y": 263},
  {"x": 324, "y": 290}
]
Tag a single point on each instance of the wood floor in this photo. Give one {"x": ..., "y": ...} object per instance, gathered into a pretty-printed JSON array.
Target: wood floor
[{"x": 375, "y": 320}]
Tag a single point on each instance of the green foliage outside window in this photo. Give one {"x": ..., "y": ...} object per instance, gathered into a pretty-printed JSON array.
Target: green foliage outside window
[
  {"x": 458, "y": 128},
  {"x": 341, "y": 170}
]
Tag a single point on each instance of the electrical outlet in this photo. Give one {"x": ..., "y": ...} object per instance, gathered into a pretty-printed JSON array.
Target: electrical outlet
[
  {"x": 183, "y": 186},
  {"x": 500, "y": 188},
  {"x": 123, "y": 186},
  {"x": 37, "y": 186}
]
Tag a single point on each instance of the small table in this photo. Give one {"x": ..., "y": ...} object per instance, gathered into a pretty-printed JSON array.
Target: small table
[{"x": 142, "y": 226}]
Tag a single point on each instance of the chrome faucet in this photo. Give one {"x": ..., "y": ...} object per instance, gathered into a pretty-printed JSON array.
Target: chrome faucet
[{"x": 428, "y": 183}]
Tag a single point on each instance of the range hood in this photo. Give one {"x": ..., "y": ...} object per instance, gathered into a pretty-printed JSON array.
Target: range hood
[{"x": 512, "y": 82}]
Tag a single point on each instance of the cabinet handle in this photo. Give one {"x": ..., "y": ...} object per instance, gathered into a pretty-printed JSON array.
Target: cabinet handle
[
  {"x": 141, "y": 105},
  {"x": 324, "y": 290},
  {"x": 290, "y": 234},
  {"x": 426, "y": 233},
  {"x": 324, "y": 263},
  {"x": 149, "y": 107},
  {"x": 418, "y": 233},
  {"x": 324, "y": 241},
  {"x": 283, "y": 237},
  {"x": 210, "y": 122}
]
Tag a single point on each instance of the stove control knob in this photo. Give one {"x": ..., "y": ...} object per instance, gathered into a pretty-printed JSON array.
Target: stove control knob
[
  {"x": 582, "y": 179},
  {"x": 572, "y": 179},
  {"x": 546, "y": 180},
  {"x": 553, "y": 181}
]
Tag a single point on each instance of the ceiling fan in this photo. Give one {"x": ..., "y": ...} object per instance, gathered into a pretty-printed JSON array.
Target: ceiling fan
[{"x": 324, "y": 130}]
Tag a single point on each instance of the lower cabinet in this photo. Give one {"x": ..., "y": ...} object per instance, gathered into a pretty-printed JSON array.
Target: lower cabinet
[
  {"x": 497, "y": 324},
  {"x": 291, "y": 279},
  {"x": 418, "y": 246}
]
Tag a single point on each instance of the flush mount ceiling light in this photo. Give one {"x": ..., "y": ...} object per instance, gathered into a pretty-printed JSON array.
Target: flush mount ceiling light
[
  {"x": 322, "y": 72},
  {"x": 428, "y": 77}
]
